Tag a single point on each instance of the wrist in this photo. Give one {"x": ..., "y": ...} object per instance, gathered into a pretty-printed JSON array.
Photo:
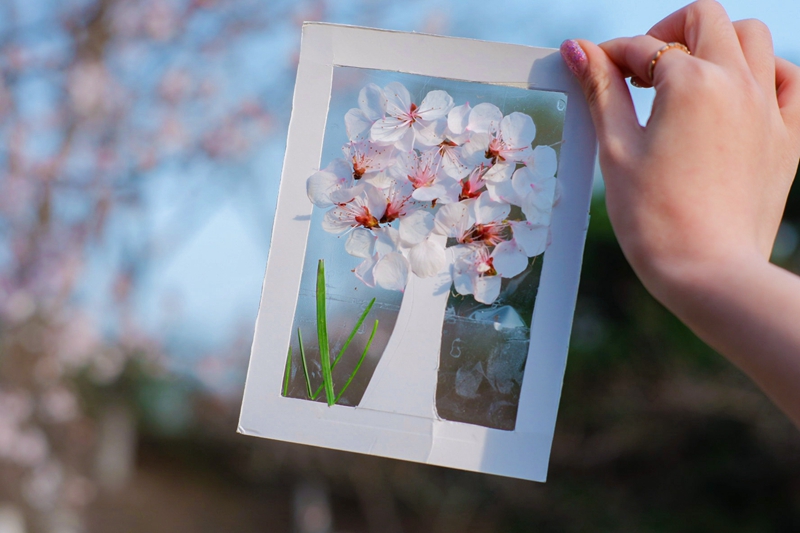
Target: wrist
[{"x": 686, "y": 283}]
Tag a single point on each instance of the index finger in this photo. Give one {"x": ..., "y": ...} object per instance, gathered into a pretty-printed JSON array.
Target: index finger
[{"x": 705, "y": 28}]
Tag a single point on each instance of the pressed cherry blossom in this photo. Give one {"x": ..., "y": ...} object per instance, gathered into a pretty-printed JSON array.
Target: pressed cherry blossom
[
  {"x": 504, "y": 146},
  {"x": 533, "y": 187},
  {"x": 331, "y": 185},
  {"x": 415, "y": 178},
  {"x": 458, "y": 123},
  {"x": 373, "y": 245},
  {"x": 452, "y": 163},
  {"x": 484, "y": 118},
  {"x": 365, "y": 210},
  {"x": 367, "y": 158},
  {"x": 474, "y": 273},
  {"x": 480, "y": 224},
  {"x": 542, "y": 161},
  {"x": 371, "y": 106},
  {"x": 536, "y": 194},
  {"x": 473, "y": 186},
  {"x": 407, "y": 124},
  {"x": 391, "y": 271},
  {"x": 337, "y": 183},
  {"x": 398, "y": 200},
  {"x": 480, "y": 220},
  {"x": 424, "y": 172},
  {"x": 455, "y": 135},
  {"x": 479, "y": 271},
  {"x": 426, "y": 251},
  {"x": 428, "y": 258},
  {"x": 531, "y": 238}
]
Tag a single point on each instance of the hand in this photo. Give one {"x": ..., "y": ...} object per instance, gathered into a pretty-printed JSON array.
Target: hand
[{"x": 696, "y": 196}]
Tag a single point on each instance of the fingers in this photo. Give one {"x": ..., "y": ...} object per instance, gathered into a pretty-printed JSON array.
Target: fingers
[
  {"x": 787, "y": 85},
  {"x": 705, "y": 28},
  {"x": 607, "y": 93},
  {"x": 756, "y": 42},
  {"x": 634, "y": 57}
]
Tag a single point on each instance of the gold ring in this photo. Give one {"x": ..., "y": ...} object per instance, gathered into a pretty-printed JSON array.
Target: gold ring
[{"x": 668, "y": 46}]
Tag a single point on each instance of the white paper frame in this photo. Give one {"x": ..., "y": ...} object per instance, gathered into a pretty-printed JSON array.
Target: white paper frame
[{"x": 521, "y": 453}]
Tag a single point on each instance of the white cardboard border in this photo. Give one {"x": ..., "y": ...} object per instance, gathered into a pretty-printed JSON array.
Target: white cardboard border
[{"x": 522, "y": 453}]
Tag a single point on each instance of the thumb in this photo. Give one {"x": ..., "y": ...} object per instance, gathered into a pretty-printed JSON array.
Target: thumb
[{"x": 606, "y": 92}]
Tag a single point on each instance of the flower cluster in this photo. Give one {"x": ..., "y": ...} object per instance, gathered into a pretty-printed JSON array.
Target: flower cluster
[{"x": 427, "y": 187}]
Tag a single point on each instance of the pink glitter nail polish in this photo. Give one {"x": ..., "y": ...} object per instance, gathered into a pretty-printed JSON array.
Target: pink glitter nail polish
[{"x": 574, "y": 56}]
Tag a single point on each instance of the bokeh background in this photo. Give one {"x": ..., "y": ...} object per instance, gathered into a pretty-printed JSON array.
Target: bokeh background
[{"x": 141, "y": 144}]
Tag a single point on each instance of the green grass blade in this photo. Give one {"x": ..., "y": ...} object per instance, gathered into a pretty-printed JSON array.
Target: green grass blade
[
  {"x": 348, "y": 341},
  {"x": 363, "y": 355},
  {"x": 353, "y": 333},
  {"x": 322, "y": 335},
  {"x": 305, "y": 364},
  {"x": 287, "y": 372}
]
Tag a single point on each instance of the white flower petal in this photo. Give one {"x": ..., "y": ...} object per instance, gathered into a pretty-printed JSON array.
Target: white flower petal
[
  {"x": 486, "y": 289},
  {"x": 375, "y": 201},
  {"x": 320, "y": 186},
  {"x": 538, "y": 194},
  {"x": 532, "y": 238},
  {"x": 517, "y": 130},
  {"x": 458, "y": 118},
  {"x": 459, "y": 252},
  {"x": 372, "y": 102},
  {"x": 391, "y": 272},
  {"x": 435, "y": 105},
  {"x": 462, "y": 282},
  {"x": 509, "y": 259},
  {"x": 501, "y": 171},
  {"x": 546, "y": 197},
  {"x": 485, "y": 118},
  {"x": 543, "y": 161},
  {"x": 406, "y": 164},
  {"x": 430, "y": 133},
  {"x": 416, "y": 227},
  {"x": 337, "y": 175},
  {"x": 389, "y": 130},
  {"x": 360, "y": 243},
  {"x": 357, "y": 124},
  {"x": 453, "y": 220},
  {"x": 519, "y": 155},
  {"x": 365, "y": 271},
  {"x": 429, "y": 193},
  {"x": 452, "y": 164},
  {"x": 473, "y": 152},
  {"x": 427, "y": 258},
  {"x": 462, "y": 268},
  {"x": 537, "y": 190},
  {"x": 398, "y": 101},
  {"x": 368, "y": 156},
  {"x": 336, "y": 221},
  {"x": 387, "y": 240},
  {"x": 381, "y": 180},
  {"x": 346, "y": 195},
  {"x": 450, "y": 191},
  {"x": 406, "y": 142},
  {"x": 503, "y": 192},
  {"x": 535, "y": 215},
  {"x": 486, "y": 211}
]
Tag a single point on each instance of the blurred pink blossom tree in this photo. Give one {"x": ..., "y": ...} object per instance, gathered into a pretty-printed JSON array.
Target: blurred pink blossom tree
[{"x": 99, "y": 100}]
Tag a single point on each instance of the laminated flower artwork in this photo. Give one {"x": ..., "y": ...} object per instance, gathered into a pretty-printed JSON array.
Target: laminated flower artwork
[{"x": 430, "y": 187}]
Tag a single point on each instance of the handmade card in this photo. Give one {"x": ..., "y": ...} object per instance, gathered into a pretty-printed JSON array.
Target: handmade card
[{"x": 426, "y": 251}]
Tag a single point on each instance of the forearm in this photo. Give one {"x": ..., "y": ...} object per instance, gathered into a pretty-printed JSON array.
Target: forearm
[{"x": 749, "y": 311}]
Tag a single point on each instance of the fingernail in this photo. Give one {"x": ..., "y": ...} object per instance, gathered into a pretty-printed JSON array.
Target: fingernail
[{"x": 574, "y": 56}]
